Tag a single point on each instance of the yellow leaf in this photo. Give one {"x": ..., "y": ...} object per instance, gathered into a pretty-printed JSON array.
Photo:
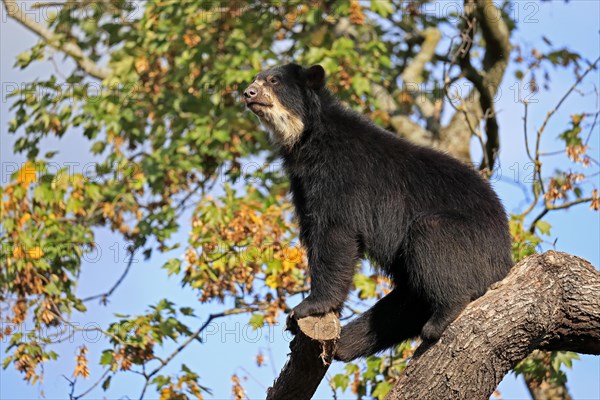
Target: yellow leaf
[
  {"x": 271, "y": 281},
  {"x": 24, "y": 218},
  {"x": 27, "y": 174},
  {"x": 288, "y": 265},
  {"x": 35, "y": 253},
  {"x": 293, "y": 255}
]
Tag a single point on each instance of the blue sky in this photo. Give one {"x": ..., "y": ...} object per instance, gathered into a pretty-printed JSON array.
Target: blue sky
[{"x": 231, "y": 345}]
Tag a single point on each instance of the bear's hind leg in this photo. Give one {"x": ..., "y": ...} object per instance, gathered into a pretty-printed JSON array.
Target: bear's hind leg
[
  {"x": 393, "y": 319},
  {"x": 440, "y": 319},
  {"x": 448, "y": 264}
]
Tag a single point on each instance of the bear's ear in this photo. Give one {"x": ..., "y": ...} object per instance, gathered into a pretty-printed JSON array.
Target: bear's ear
[{"x": 315, "y": 77}]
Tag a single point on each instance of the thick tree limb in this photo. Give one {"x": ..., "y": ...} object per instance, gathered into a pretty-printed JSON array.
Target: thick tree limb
[
  {"x": 549, "y": 301},
  {"x": 412, "y": 131},
  {"x": 311, "y": 354},
  {"x": 412, "y": 76},
  {"x": 479, "y": 103},
  {"x": 71, "y": 49}
]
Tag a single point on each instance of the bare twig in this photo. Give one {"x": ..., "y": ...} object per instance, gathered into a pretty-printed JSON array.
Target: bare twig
[
  {"x": 104, "y": 296},
  {"x": 567, "y": 94},
  {"x": 190, "y": 339},
  {"x": 537, "y": 163},
  {"x": 454, "y": 137},
  {"x": 77, "y": 328},
  {"x": 526, "y": 104},
  {"x": 551, "y": 207},
  {"x": 589, "y": 135},
  {"x": 93, "y": 386}
]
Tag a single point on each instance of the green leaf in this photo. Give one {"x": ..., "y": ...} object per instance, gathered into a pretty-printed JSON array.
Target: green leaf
[
  {"x": 106, "y": 383},
  {"x": 361, "y": 85},
  {"x": 381, "y": 390},
  {"x": 366, "y": 286},
  {"x": 340, "y": 381},
  {"x": 373, "y": 367},
  {"x": 563, "y": 358},
  {"x": 173, "y": 266},
  {"x": 543, "y": 227},
  {"x": 52, "y": 289},
  {"x": 107, "y": 357},
  {"x": 257, "y": 321},
  {"x": 98, "y": 147},
  {"x": 382, "y": 7},
  {"x": 188, "y": 311},
  {"x": 351, "y": 368}
]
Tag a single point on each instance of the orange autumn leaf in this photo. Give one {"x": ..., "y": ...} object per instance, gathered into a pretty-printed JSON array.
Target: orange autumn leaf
[
  {"x": 357, "y": 16},
  {"x": 260, "y": 359},
  {"x": 293, "y": 254},
  {"x": 81, "y": 368},
  {"x": 24, "y": 218},
  {"x": 595, "y": 205},
  {"x": 18, "y": 252},
  {"x": 142, "y": 65}
]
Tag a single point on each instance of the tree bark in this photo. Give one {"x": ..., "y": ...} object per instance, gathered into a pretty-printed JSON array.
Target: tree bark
[
  {"x": 311, "y": 354},
  {"x": 478, "y": 103},
  {"x": 549, "y": 301}
]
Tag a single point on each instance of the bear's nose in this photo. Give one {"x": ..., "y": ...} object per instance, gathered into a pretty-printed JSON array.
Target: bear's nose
[{"x": 250, "y": 92}]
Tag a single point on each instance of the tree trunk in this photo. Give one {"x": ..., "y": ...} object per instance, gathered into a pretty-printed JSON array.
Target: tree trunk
[{"x": 549, "y": 301}]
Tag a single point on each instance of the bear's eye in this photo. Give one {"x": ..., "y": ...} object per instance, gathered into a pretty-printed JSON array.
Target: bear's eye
[{"x": 273, "y": 80}]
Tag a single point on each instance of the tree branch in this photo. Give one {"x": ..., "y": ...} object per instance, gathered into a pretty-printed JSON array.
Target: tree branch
[
  {"x": 104, "y": 296},
  {"x": 548, "y": 301},
  {"x": 412, "y": 77},
  {"x": 71, "y": 49},
  {"x": 312, "y": 351},
  {"x": 194, "y": 336},
  {"x": 413, "y": 73},
  {"x": 455, "y": 136}
]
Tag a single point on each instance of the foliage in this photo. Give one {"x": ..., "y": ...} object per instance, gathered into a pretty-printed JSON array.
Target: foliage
[
  {"x": 169, "y": 139},
  {"x": 553, "y": 374}
]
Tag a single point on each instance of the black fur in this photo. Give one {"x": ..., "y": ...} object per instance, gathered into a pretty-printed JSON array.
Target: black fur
[{"x": 428, "y": 221}]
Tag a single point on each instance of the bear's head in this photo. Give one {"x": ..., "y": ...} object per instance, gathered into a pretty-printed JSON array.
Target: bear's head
[{"x": 283, "y": 98}]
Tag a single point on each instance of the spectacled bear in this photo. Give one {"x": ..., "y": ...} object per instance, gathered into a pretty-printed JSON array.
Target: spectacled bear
[{"x": 425, "y": 219}]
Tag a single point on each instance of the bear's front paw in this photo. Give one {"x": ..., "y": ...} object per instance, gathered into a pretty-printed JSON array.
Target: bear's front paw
[{"x": 309, "y": 307}]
